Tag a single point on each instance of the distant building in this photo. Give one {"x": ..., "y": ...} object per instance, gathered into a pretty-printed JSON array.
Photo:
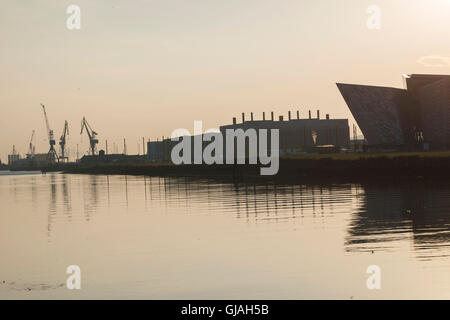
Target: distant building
[
  {"x": 301, "y": 134},
  {"x": 159, "y": 150},
  {"x": 297, "y": 135},
  {"x": 103, "y": 158},
  {"x": 13, "y": 158},
  {"x": 40, "y": 160},
  {"x": 35, "y": 162},
  {"x": 434, "y": 100},
  {"x": 411, "y": 118}
]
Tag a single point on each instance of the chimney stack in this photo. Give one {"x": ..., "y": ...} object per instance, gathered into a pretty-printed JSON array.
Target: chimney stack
[
  {"x": 271, "y": 114},
  {"x": 318, "y": 114},
  {"x": 264, "y": 116},
  {"x": 289, "y": 115},
  {"x": 298, "y": 115},
  {"x": 251, "y": 116},
  {"x": 243, "y": 117},
  {"x": 281, "y": 118},
  {"x": 328, "y": 116},
  {"x": 234, "y": 121},
  {"x": 309, "y": 114}
]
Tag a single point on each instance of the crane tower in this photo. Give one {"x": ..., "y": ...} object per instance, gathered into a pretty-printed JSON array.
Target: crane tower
[
  {"x": 31, "y": 147},
  {"x": 62, "y": 143},
  {"x": 91, "y": 134},
  {"x": 51, "y": 155}
]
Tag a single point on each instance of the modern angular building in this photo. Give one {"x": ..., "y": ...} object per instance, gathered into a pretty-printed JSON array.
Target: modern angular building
[{"x": 411, "y": 118}]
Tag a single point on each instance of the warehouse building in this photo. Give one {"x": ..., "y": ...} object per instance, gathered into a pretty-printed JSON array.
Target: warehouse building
[{"x": 296, "y": 135}]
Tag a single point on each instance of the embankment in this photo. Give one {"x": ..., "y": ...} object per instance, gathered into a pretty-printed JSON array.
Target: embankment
[{"x": 346, "y": 167}]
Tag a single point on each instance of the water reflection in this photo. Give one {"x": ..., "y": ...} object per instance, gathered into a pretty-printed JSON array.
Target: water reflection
[
  {"x": 52, "y": 204},
  {"x": 419, "y": 212},
  {"x": 374, "y": 217},
  {"x": 67, "y": 200}
]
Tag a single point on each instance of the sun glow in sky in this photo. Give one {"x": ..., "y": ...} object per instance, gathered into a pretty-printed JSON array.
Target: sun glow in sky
[{"x": 144, "y": 68}]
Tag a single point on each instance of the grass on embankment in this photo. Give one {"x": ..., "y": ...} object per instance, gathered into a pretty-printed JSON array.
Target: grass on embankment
[
  {"x": 347, "y": 166},
  {"x": 370, "y": 155}
]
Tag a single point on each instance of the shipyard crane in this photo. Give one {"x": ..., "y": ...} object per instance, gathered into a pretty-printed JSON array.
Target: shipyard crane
[
  {"x": 51, "y": 155},
  {"x": 62, "y": 142},
  {"x": 31, "y": 147},
  {"x": 91, "y": 134}
]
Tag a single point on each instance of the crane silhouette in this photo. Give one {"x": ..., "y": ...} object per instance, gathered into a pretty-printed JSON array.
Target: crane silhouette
[
  {"x": 51, "y": 155},
  {"x": 91, "y": 134},
  {"x": 62, "y": 142},
  {"x": 31, "y": 147}
]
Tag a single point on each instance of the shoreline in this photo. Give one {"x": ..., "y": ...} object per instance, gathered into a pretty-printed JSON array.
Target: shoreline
[{"x": 338, "y": 167}]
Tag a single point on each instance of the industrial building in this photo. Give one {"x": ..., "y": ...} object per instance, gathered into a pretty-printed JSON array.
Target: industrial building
[
  {"x": 414, "y": 118},
  {"x": 111, "y": 158},
  {"x": 31, "y": 163},
  {"x": 300, "y": 134},
  {"x": 13, "y": 157},
  {"x": 297, "y": 135}
]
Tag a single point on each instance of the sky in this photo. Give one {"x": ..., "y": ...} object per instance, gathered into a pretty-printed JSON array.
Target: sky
[{"x": 143, "y": 68}]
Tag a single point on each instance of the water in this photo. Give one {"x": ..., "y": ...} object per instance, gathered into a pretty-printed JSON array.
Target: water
[{"x": 179, "y": 238}]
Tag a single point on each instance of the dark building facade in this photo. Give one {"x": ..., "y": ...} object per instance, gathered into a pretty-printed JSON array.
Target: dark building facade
[
  {"x": 301, "y": 134},
  {"x": 112, "y": 158},
  {"x": 435, "y": 99},
  {"x": 296, "y": 135},
  {"x": 411, "y": 118}
]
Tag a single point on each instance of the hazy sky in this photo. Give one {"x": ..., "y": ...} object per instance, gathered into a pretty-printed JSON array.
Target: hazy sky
[{"x": 144, "y": 68}]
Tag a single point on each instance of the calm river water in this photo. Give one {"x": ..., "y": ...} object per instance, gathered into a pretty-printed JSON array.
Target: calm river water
[{"x": 181, "y": 238}]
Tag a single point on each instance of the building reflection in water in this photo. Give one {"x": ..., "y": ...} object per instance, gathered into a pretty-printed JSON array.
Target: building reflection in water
[
  {"x": 377, "y": 217},
  {"x": 269, "y": 202},
  {"x": 410, "y": 211},
  {"x": 52, "y": 210},
  {"x": 67, "y": 200},
  {"x": 91, "y": 194}
]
